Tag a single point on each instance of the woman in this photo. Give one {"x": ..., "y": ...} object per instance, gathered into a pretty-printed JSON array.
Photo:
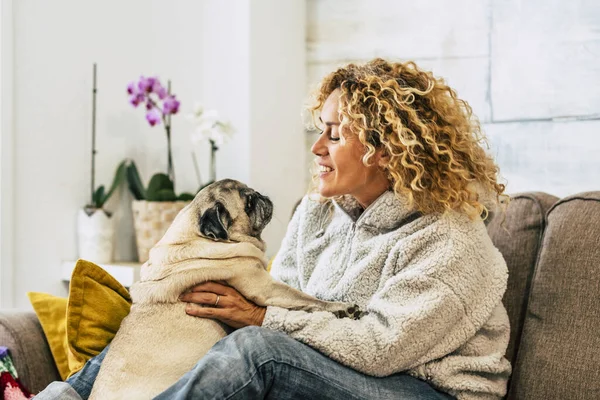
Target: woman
[{"x": 394, "y": 226}]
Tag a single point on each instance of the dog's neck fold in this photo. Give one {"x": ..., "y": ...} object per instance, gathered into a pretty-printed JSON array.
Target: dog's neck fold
[{"x": 167, "y": 258}]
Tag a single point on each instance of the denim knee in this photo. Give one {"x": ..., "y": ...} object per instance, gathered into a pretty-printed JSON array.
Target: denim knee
[
  {"x": 256, "y": 337},
  {"x": 256, "y": 343}
]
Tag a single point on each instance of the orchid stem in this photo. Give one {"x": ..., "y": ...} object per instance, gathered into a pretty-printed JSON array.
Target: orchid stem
[
  {"x": 197, "y": 169},
  {"x": 213, "y": 165},
  {"x": 167, "y": 122},
  {"x": 94, "y": 90}
]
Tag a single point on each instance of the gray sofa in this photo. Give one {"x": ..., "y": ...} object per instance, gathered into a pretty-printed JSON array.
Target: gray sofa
[{"x": 553, "y": 301}]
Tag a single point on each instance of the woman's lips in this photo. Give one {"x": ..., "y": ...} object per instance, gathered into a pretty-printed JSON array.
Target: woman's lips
[{"x": 325, "y": 170}]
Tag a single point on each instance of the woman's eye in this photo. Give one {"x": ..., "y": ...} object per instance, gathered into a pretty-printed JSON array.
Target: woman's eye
[{"x": 330, "y": 136}]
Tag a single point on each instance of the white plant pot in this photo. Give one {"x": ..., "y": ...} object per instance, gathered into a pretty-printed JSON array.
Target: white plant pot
[{"x": 95, "y": 234}]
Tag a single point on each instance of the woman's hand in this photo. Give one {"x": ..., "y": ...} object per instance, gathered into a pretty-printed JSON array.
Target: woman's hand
[{"x": 231, "y": 308}]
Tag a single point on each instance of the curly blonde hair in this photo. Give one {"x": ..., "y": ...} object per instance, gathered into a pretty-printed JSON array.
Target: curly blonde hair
[{"x": 432, "y": 140}]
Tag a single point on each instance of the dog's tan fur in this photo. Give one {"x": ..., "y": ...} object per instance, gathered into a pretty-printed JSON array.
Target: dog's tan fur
[{"x": 158, "y": 342}]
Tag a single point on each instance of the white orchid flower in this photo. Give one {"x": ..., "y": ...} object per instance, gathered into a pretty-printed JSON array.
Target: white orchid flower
[{"x": 209, "y": 126}]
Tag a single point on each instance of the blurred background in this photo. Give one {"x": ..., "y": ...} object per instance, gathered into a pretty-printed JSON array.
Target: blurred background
[{"x": 530, "y": 70}]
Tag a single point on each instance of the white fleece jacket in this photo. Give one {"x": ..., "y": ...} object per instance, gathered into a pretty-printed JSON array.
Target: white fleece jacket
[{"x": 432, "y": 286}]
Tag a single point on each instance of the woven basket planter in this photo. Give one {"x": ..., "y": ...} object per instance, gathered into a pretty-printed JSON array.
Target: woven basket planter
[{"x": 151, "y": 220}]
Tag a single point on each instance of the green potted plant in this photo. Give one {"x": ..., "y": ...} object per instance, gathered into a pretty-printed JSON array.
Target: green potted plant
[
  {"x": 95, "y": 225},
  {"x": 155, "y": 206}
]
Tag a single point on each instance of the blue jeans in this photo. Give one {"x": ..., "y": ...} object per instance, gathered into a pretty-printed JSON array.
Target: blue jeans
[
  {"x": 77, "y": 387},
  {"x": 257, "y": 363}
]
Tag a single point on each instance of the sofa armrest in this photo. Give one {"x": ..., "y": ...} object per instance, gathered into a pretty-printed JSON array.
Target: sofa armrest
[{"x": 22, "y": 333}]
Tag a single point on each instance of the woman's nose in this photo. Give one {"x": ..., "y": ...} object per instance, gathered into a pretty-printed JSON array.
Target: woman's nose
[{"x": 318, "y": 148}]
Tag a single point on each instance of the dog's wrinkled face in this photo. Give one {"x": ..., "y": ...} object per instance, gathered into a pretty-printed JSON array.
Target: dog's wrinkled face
[{"x": 230, "y": 210}]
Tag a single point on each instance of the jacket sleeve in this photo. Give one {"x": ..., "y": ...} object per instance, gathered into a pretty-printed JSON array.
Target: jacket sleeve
[
  {"x": 284, "y": 267},
  {"x": 414, "y": 318}
]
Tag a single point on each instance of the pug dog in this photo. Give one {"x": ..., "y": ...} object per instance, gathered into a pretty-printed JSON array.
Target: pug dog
[{"x": 215, "y": 238}]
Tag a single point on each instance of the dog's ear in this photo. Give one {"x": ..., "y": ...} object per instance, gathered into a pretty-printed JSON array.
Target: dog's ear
[{"x": 215, "y": 221}]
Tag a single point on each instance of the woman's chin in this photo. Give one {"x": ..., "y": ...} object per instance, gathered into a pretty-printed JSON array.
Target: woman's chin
[{"x": 327, "y": 191}]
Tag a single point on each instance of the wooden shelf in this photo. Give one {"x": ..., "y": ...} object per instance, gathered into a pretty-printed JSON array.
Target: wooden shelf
[{"x": 125, "y": 272}]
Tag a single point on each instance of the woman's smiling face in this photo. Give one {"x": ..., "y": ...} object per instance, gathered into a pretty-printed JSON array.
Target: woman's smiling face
[{"x": 341, "y": 169}]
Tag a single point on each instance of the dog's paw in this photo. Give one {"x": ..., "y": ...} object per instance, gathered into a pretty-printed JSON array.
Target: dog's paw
[{"x": 352, "y": 312}]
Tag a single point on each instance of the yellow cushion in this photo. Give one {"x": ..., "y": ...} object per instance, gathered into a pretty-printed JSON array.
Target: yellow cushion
[
  {"x": 52, "y": 313},
  {"x": 96, "y": 306}
]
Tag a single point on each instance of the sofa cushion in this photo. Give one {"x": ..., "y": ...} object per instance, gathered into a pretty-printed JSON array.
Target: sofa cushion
[
  {"x": 80, "y": 327},
  {"x": 22, "y": 333},
  {"x": 560, "y": 345},
  {"x": 52, "y": 313},
  {"x": 518, "y": 235},
  {"x": 97, "y": 305}
]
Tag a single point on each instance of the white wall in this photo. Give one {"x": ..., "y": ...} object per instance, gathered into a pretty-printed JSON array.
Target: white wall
[
  {"x": 225, "y": 47},
  {"x": 277, "y": 93},
  {"x": 210, "y": 50},
  {"x": 260, "y": 81},
  {"x": 6, "y": 152},
  {"x": 530, "y": 70}
]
